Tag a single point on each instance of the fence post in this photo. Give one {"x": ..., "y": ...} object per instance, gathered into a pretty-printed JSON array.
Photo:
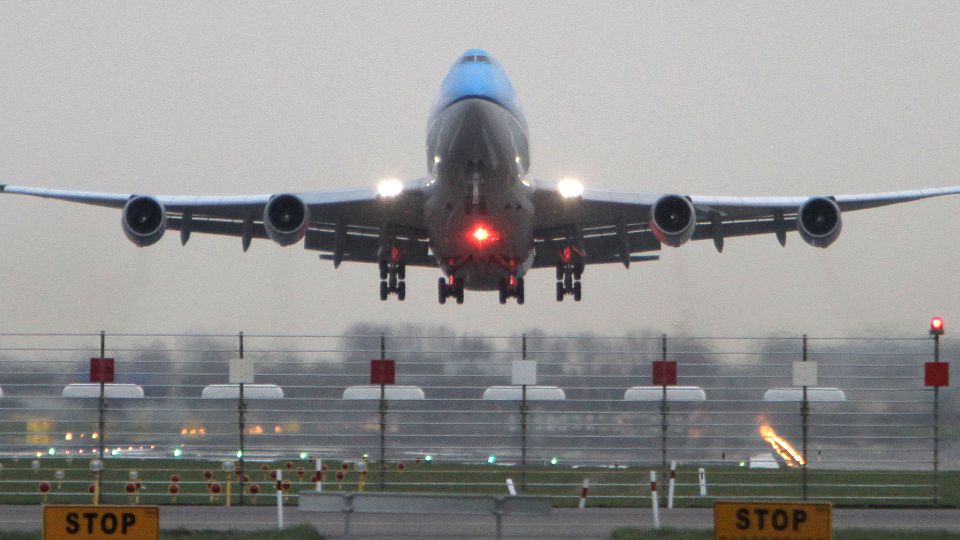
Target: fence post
[
  {"x": 241, "y": 410},
  {"x": 804, "y": 414},
  {"x": 101, "y": 422},
  {"x": 383, "y": 417},
  {"x": 523, "y": 424},
  {"x": 936, "y": 427},
  {"x": 663, "y": 414}
]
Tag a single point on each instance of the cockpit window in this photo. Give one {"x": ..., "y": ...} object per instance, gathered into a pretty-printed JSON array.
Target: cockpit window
[{"x": 483, "y": 59}]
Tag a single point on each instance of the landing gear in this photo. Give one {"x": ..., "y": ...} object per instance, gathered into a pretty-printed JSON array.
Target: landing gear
[
  {"x": 568, "y": 280},
  {"x": 391, "y": 280},
  {"x": 511, "y": 288},
  {"x": 452, "y": 288}
]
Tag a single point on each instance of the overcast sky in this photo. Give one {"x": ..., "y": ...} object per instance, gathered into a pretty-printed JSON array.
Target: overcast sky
[{"x": 232, "y": 98}]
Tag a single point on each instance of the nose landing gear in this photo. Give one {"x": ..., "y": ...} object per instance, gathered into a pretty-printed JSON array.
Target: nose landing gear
[
  {"x": 453, "y": 288},
  {"x": 511, "y": 288},
  {"x": 392, "y": 277}
]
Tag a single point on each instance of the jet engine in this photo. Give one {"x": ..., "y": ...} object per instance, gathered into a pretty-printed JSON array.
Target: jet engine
[
  {"x": 673, "y": 220},
  {"x": 286, "y": 218},
  {"x": 819, "y": 222},
  {"x": 144, "y": 220}
]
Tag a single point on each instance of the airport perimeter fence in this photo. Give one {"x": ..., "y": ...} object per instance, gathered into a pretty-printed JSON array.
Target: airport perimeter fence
[{"x": 867, "y": 430}]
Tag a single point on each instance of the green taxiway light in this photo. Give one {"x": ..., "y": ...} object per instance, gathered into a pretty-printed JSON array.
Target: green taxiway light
[
  {"x": 177, "y": 452},
  {"x": 492, "y": 459},
  {"x": 304, "y": 455},
  {"x": 554, "y": 460},
  {"x": 52, "y": 451},
  {"x": 743, "y": 463},
  {"x": 428, "y": 458},
  {"x": 239, "y": 454}
]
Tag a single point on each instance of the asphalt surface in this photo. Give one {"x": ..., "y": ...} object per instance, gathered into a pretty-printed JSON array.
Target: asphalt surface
[{"x": 561, "y": 523}]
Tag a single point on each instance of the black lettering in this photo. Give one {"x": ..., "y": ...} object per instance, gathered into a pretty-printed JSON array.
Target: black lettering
[
  {"x": 799, "y": 516},
  {"x": 73, "y": 525},
  {"x": 89, "y": 517},
  {"x": 129, "y": 520},
  {"x": 108, "y": 523},
  {"x": 743, "y": 519},
  {"x": 761, "y": 515},
  {"x": 779, "y": 519}
]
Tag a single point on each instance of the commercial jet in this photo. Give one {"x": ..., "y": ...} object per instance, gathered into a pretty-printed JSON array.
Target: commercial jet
[{"x": 478, "y": 215}]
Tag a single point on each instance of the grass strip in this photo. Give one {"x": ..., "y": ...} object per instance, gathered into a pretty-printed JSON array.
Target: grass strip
[
  {"x": 840, "y": 534},
  {"x": 300, "y": 532}
]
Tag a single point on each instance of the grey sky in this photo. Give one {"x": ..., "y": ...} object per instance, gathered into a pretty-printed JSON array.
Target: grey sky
[{"x": 731, "y": 98}]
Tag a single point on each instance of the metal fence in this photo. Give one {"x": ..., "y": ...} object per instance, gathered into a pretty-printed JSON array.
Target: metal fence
[{"x": 868, "y": 432}]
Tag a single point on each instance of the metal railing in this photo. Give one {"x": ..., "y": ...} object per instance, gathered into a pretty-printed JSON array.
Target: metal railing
[{"x": 885, "y": 442}]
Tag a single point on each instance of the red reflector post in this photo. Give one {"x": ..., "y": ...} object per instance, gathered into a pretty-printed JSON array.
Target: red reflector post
[
  {"x": 101, "y": 370},
  {"x": 382, "y": 372},
  {"x": 664, "y": 373},
  {"x": 936, "y": 374}
]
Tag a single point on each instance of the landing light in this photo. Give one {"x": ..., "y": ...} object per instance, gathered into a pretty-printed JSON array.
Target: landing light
[
  {"x": 390, "y": 187},
  {"x": 569, "y": 188}
]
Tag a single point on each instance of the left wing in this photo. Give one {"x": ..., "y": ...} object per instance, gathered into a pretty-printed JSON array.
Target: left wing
[
  {"x": 351, "y": 225},
  {"x": 606, "y": 227}
]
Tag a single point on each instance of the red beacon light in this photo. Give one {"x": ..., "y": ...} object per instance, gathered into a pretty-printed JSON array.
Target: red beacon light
[
  {"x": 481, "y": 234},
  {"x": 936, "y": 326}
]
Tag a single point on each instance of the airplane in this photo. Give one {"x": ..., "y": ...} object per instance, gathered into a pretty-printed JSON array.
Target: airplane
[{"x": 478, "y": 215}]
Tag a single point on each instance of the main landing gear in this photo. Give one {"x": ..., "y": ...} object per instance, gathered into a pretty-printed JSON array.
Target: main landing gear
[
  {"x": 511, "y": 288},
  {"x": 392, "y": 280},
  {"x": 568, "y": 280},
  {"x": 452, "y": 288}
]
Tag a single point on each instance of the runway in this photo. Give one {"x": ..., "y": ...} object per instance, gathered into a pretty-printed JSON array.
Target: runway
[{"x": 561, "y": 523}]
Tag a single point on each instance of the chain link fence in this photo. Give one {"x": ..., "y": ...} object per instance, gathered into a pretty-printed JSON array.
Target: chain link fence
[{"x": 866, "y": 434}]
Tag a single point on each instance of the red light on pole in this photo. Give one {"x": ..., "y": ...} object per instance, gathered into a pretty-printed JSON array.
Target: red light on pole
[{"x": 936, "y": 326}]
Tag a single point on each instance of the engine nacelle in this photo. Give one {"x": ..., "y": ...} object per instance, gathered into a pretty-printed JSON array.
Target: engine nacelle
[
  {"x": 144, "y": 220},
  {"x": 286, "y": 218},
  {"x": 673, "y": 220},
  {"x": 819, "y": 221}
]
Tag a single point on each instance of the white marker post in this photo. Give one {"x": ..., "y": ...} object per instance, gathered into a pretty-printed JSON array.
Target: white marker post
[
  {"x": 319, "y": 484},
  {"x": 510, "y": 488},
  {"x": 653, "y": 500},
  {"x": 583, "y": 493},
  {"x": 279, "y": 499},
  {"x": 673, "y": 481},
  {"x": 703, "y": 481}
]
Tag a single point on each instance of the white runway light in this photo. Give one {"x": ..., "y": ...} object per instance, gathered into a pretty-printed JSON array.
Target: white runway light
[{"x": 390, "y": 187}]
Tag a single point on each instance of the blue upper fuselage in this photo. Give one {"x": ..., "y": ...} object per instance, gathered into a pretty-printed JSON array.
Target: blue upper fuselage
[{"x": 477, "y": 75}]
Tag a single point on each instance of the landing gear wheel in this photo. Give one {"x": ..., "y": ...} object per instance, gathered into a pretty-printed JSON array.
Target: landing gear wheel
[
  {"x": 442, "y": 290},
  {"x": 384, "y": 269},
  {"x": 401, "y": 271},
  {"x": 384, "y": 290},
  {"x": 459, "y": 293},
  {"x": 560, "y": 292},
  {"x": 577, "y": 271},
  {"x": 519, "y": 292},
  {"x": 503, "y": 291},
  {"x": 401, "y": 290},
  {"x": 559, "y": 271},
  {"x": 576, "y": 291}
]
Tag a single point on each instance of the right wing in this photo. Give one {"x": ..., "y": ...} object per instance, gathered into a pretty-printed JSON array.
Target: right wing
[
  {"x": 352, "y": 225},
  {"x": 607, "y": 227}
]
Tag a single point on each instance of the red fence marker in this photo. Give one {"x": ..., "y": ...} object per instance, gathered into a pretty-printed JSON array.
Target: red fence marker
[
  {"x": 382, "y": 372},
  {"x": 664, "y": 373},
  {"x": 936, "y": 374},
  {"x": 101, "y": 370}
]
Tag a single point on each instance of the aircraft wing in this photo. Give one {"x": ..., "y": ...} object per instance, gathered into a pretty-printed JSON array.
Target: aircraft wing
[
  {"x": 344, "y": 225},
  {"x": 607, "y": 227}
]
